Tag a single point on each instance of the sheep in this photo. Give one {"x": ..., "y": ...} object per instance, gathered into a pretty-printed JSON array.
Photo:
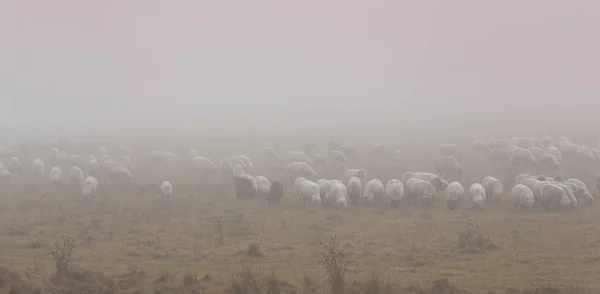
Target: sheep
[
  {"x": 338, "y": 157},
  {"x": 522, "y": 196},
  {"x": 325, "y": 188},
  {"x": 332, "y": 145},
  {"x": 166, "y": 189},
  {"x": 448, "y": 165},
  {"x": 270, "y": 153},
  {"x": 339, "y": 194},
  {"x": 62, "y": 156},
  {"x": 547, "y": 141},
  {"x": 480, "y": 146},
  {"x": 500, "y": 155},
  {"x": 580, "y": 190},
  {"x": 104, "y": 158},
  {"x": 298, "y": 186},
  {"x": 14, "y": 165},
  {"x": 54, "y": 154},
  {"x": 309, "y": 149},
  {"x": 554, "y": 151},
  {"x": 76, "y": 174},
  {"x": 355, "y": 190},
  {"x": 123, "y": 150},
  {"x": 477, "y": 195},
  {"x": 394, "y": 190},
  {"x": 377, "y": 148},
  {"x": 120, "y": 173},
  {"x": 549, "y": 161},
  {"x": 523, "y": 176},
  {"x": 5, "y": 174},
  {"x": 585, "y": 154},
  {"x": 309, "y": 192},
  {"x": 89, "y": 187},
  {"x": 300, "y": 169},
  {"x": 244, "y": 188},
  {"x": 237, "y": 171},
  {"x": 450, "y": 150},
  {"x": 569, "y": 191},
  {"x": 352, "y": 172},
  {"x": 38, "y": 166},
  {"x": 406, "y": 176},
  {"x": 263, "y": 186},
  {"x": 299, "y": 156},
  {"x": 202, "y": 164},
  {"x": 75, "y": 159},
  {"x": 523, "y": 156},
  {"x": 275, "y": 192},
  {"x": 93, "y": 166},
  {"x": 109, "y": 166},
  {"x": 374, "y": 191},
  {"x": 436, "y": 181},
  {"x": 455, "y": 193},
  {"x": 55, "y": 174},
  {"x": 596, "y": 154},
  {"x": 568, "y": 149},
  {"x": 536, "y": 151},
  {"x": 272, "y": 145},
  {"x": 493, "y": 188},
  {"x": 125, "y": 159},
  {"x": 418, "y": 190},
  {"x": 529, "y": 182},
  {"x": 554, "y": 196}
]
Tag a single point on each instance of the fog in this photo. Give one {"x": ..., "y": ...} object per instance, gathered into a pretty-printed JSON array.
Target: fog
[{"x": 109, "y": 69}]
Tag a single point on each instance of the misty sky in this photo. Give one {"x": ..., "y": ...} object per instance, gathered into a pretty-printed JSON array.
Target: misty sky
[{"x": 149, "y": 67}]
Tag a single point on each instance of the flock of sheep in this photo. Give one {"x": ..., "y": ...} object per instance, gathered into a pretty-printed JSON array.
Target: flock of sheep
[{"x": 412, "y": 188}]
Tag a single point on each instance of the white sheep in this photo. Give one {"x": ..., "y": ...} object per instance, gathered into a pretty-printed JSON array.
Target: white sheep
[
  {"x": 14, "y": 164},
  {"x": 125, "y": 159},
  {"x": 585, "y": 154},
  {"x": 4, "y": 174},
  {"x": 493, "y": 188},
  {"x": 374, "y": 191},
  {"x": 536, "y": 151},
  {"x": 554, "y": 196},
  {"x": 89, "y": 187},
  {"x": 75, "y": 159},
  {"x": 554, "y": 151},
  {"x": 298, "y": 186},
  {"x": 338, "y": 157},
  {"x": 339, "y": 194},
  {"x": 580, "y": 190},
  {"x": 76, "y": 174},
  {"x": 62, "y": 156},
  {"x": 123, "y": 150},
  {"x": 549, "y": 161},
  {"x": 55, "y": 174},
  {"x": 448, "y": 165},
  {"x": 477, "y": 195},
  {"x": 480, "y": 146},
  {"x": 522, "y": 196},
  {"x": 353, "y": 172},
  {"x": 299, "y": 156},
  {"x": 355, "y": 190},
  {"x": 121, "y": 173},
  {"x": 263, "y": 186},
  {"x": 38, "y": 166},
  {"x": 202, "y": 164},
  {"x": 418, "y": 190},
  {"x": 523, "y": 156},
  {"x": 270, "y": 153},
  {"x": 104, "y": 158},
  {"x": 237, "y": 170},
  {"x": 435, "y": 180},
  {"x": 309, "y": 192},
  {"x": 325, "y": 188},
  {"x": 455, "y": 193},
  {"x": 54, "y": 152},
  {"x": 596, "y": 154},
  {"x": 166, "y": 189},
  {"x": 450, "y": 150},
  {"x": 300, "y": 169},
  {"x": 394, "y": 189},
  {"x": 93, "y": 166}
]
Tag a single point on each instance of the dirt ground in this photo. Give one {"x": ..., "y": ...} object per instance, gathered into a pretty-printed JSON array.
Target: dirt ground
[{"x": 128, "y": 226}]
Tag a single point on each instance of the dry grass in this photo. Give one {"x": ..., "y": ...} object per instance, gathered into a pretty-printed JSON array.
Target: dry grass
[{"x": 205, "y": 241}]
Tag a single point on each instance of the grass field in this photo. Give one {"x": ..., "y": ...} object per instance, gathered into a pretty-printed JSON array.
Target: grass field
[{"x": 144, "y": 246}]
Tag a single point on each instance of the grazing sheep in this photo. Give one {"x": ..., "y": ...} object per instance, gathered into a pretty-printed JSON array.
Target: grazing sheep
[
  {"x": 309, "y": 149},
  {"x": 549, "y": 161},
  {"x": 166, "y": 189},
  {"x": 325, "y": 188},
  {"x": 355, "y": 190},
  {"x": 418, "y": 190},
  {"x": 237, "y": 171},
  {"x": 522, "y": 196},
  {"x": 499, "y": 155},
  {"x": 536, "y": 151},
  {"x": 339, "y": 194},
  {"x": 338, "y": 157},
  {"x": 523, "y": 176},
  {"x": 202, "y": 164},
  {"x": 554, "y": 196},
  {"x": 275, "y": 192},
  {"x": 89, "y": 187},
  {"x": 547, "y": 141},
  {"x": 394, "y": 190},
  {"x": 493, "y": 188},
  {"x": 120, "y": 173},
  {"x": 93, "y": 167},
  {"x": 4, "y": 174},
  {"x": 353, "y": 172},
  {"x": 455, "y": 193},
  {"x": 332, "y": 145},
  {"x": 448, "y": 165},
  {"x": 436, "y": 181},
  {"x": 585, "y": 154},
  {"x": 38, "y": 166},
  {"x": 298, "y": 186},
  {"x": 62, "y": 156},
  {"x": 529, "y": 182},
  {"x": 480, "y": 146},
  {"x": 244, "y": 188},
  {"x": 123, "y": 150},
  {"x": 580, "y": 190},
  {"x": 349, "y": 151},
  {"x": 262, "y": 186},
  {"x": 596, "y": 154},
  {"x": 450, "y": 150},
  {"x": 125, "y": 159},
  {"x": 111, "y": 165},
  {"x": 54, "y": 154},
  {"x": 76, "y": 174},
  {"x": 554, "y": 151},
  {"x": 299, "y": 156},
  {"x": 406, "y": 176},
  {"x": 523, "y": 156},
  {"x": 272, "y": 145},
  {"x": 309, "y": 192},
  {"x": 270, "y": 153},
  {"x": 374, "y": 191},
  {"x": 300, "y": 169},
  {"x": 75, "y": 159},
  {"x": 477, "y": 195},
  {"x": 55, "y": 174},
  {"x": 14, "y": 165}
]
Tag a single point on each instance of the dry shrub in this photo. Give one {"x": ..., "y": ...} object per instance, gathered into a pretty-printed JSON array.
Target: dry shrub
[
  {"x": 62, "y": 254},
  {"x": 472, "y": 240},
  {"x": 248, "y": 282},
  {"x": 335, "y": 265}
]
